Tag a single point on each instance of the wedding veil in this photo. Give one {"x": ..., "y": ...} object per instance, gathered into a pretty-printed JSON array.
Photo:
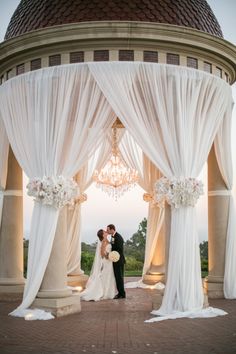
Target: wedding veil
[{"x": 97, "y": 264}]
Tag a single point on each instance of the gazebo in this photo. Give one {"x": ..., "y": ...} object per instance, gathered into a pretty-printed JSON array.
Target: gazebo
[{"x": 67, "y": 71}]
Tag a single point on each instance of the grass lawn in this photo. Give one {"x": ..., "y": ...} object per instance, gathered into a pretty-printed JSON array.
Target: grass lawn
[{"x": 133, "y": 273}]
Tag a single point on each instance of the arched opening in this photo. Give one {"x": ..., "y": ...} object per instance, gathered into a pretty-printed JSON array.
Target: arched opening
[{"x": 163, "y": 107}]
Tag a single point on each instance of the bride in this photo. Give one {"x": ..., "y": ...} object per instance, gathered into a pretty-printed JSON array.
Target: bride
[{"x": 101, "y": 283}]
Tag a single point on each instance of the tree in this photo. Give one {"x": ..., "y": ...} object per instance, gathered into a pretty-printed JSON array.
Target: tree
[
  {"x": 87, "y": 261},
  {"x": 135, "y": 246},
  {"x": 204, "y": 249},
  {"x": 26, "y": 247},
  {"x": 204, "y": 256}
]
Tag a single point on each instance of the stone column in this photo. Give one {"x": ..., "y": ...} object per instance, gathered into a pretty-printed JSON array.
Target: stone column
[
  {"x": 11, "y": 231},
  {"x": 159, "y": 266},
  {"x": 218, "y": 207},
  {"x": 54, "y": 295},
  {"x": 158, "y": 269},
  {"x": 156, "y": 272},
  {"x": 159, "y": 254},
  {"x": 77, "y": 278}
]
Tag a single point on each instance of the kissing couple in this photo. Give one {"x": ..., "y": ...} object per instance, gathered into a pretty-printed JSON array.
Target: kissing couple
[{"x": 106, "y": 280}]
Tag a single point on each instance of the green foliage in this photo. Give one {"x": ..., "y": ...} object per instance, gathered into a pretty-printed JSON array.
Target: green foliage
[
  {"x": 133, "y": 273},
  {"x": 204, "y": 249},
  {"x": 87, "y": 256},
  {"x": 204, "y": 265},
  {"x": 204, "y": 257},
  {"x": 135, "y": 246},
  {"x": 86, "y": 261},
  {"x": 91, "y": 248},
  {"x": 133, "y": 264},
  {"x": 25, "y": 246}
]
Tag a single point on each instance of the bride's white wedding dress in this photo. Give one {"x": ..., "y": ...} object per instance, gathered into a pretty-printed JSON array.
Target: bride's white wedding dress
[{"x": 101, "y": 284}]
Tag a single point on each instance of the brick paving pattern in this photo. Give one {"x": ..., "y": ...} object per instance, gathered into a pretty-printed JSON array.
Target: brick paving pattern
[{"x": 117, "y": 326}]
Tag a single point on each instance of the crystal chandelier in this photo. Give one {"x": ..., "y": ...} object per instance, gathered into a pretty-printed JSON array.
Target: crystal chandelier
[{"x": 115, "y": 178}]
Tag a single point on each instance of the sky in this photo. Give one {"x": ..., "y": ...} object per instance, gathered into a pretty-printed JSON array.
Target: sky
[{"x": 100, "y": 210}]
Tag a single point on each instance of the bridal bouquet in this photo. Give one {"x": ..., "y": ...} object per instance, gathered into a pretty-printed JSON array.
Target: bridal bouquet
[
  {"x": 178, "y": 192},
  {"x": 56, "y": 191},
  {"x": 114, "y": 256}
]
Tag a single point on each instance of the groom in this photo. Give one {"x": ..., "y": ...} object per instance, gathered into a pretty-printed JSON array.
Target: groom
[{"x": 117, "y": 245}]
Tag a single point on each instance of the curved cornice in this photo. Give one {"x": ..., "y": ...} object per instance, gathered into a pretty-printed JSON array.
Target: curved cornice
[{"x": 117, "y": 34}]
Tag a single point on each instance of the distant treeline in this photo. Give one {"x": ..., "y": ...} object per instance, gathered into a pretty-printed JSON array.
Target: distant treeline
[{"x": 134, "y": 249}]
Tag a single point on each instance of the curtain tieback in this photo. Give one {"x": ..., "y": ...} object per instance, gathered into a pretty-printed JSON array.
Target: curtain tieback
[
  {"x": 220, "y": 192},
  {"x": 148, "y": 197},
  {"x": 82, "y": 198},
  {"x": 79, "y": 200},
  {"x": 12, "y": 192}
]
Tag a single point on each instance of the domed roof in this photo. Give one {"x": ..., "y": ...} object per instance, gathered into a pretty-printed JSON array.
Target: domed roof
[{"x": 31, "y": 15}]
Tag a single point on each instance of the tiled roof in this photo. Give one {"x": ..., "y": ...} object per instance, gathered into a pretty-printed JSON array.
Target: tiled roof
[{"x": 31, "y": 15}]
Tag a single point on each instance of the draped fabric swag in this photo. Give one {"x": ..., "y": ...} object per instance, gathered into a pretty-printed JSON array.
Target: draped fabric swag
[
  {"x": 173, "y": 113},
  {"x": 149, "y": 174},
  {"x": 223, "y": 152},
  {"x": 54, "y": 116},
  {"x": 4, "y": 148},
  {"x": 84, "y": 179}
]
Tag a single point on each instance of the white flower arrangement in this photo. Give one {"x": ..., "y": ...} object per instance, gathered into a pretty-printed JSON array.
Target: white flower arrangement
[
  {"x": 178, "y": 192},
  {"x": 114, "y": 256},
  {"x": 56, "y": 191}
]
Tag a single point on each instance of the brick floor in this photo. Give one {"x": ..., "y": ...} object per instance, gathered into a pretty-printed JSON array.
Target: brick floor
[{"x": 117, "y": 326}]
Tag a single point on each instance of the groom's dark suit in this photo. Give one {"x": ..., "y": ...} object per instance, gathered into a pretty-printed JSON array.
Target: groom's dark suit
[{"x": 117, "y": 245}]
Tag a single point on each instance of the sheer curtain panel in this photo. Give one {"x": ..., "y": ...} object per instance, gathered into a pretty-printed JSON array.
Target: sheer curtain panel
[
  {"x": 223, "y": 152},
  {"x": 148, "y": 174},
  {"x": 173, "y": 113},
  {"x": 84, "y": 179},
  {"x": 53, "y": 118},
  {"x": 4, "y": 149}
]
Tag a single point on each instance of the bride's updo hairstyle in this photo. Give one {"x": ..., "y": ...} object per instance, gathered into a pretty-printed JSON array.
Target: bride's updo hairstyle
[{"x": 100, "y": 234}]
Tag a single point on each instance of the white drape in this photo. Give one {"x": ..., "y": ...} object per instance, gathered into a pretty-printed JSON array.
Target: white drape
[
  {"x": 155, "y": 214},
  {"x": 174, "y": 114},
  {"x": 53, "y": 118},
  {"x": 73, "y": 240},
  {"x": 148, "y": 174},
  {"x": 4, "y": 149},
  {"x": 223, "y": 152},
  {"x": 84, "y": 179}
]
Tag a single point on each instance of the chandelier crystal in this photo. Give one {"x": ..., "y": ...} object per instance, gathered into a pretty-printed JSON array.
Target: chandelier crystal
[{"x": 115, "y": 178}]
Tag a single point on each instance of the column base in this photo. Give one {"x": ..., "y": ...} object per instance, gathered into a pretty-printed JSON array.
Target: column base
[
  {"x": 54, "y": 294},
  {"x": 77, "y": 280},
  {"x": 151, "y": 279},
  {"x": 14, "y": 286},
  {"x": 214, "y": 287},
  {"x": 59, "y": 307}
]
